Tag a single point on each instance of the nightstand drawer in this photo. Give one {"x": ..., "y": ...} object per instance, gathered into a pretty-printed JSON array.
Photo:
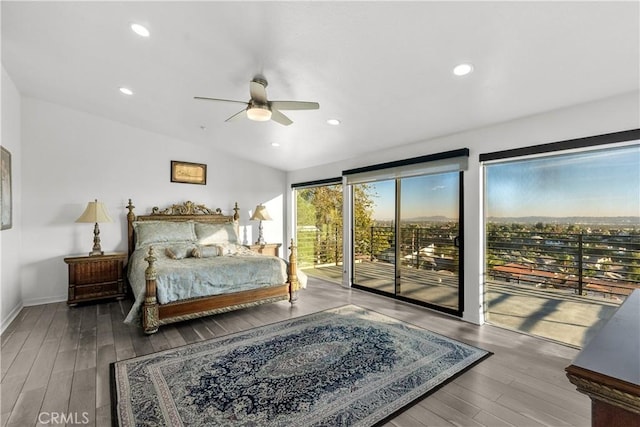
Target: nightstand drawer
[
  {"x": 95, "y": 272},
  {"x": 97, "y": 291}
]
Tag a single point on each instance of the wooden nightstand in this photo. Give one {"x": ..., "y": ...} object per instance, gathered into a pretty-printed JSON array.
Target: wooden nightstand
[
  {"x": 272, "y": 249},
  {"x": 96, "y": 277}
]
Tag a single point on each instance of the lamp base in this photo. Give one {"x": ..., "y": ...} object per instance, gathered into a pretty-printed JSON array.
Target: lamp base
[
  {"x": 260, "y": 238},
  {"x": 97, "y": 250}
]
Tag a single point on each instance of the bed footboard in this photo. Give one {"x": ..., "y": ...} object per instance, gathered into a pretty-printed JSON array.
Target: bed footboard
[{"x": 152, "y": 318}]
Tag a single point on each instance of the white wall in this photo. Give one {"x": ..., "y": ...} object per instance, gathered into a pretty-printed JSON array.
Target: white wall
[
  {"x": 613, "y": 114},
  {"x": 10, "y": 239},
  {"x": 64, "y": 158},
  {"x": 70, "y": 158}
]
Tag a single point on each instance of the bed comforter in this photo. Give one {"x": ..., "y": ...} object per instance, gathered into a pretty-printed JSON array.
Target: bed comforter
[{"x": 239, "y": 269}]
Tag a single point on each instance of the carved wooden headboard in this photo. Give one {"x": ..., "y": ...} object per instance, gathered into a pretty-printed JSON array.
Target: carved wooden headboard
[{"x": 187, "y": 211}]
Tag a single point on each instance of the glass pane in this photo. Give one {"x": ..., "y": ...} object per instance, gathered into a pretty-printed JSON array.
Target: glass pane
[
  {"x": 319, "y": 230},
  {"x": 429, "y": 211},
  {"x": 374, "y": 235},
  {"x": 562, "y": 241}
]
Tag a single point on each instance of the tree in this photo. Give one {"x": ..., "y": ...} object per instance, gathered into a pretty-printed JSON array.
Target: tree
[
  {"x": 319, "y": 217},
  {"x": 305, "y": 230},
  {"x": 634, "y": 267},
  {"x": 363, "y": 195},
  {"x": 319, "y": 212}
]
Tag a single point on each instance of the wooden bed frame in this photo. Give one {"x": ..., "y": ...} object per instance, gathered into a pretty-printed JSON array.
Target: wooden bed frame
[{"x": 155, "y": 314}]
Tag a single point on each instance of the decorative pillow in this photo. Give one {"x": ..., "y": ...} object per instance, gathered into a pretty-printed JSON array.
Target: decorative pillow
[
  {"x": 205, "y": 251},
  {"x": 211, "y": 234},
  {"x": 179, "y": 251},
  {"x": 148, "y": 232},
  {"x": 235, "y": 249}
]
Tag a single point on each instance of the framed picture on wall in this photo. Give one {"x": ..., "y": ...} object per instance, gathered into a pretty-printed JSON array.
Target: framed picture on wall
[
  {"x": 5, "y": 189},
  {"x": 188, "y": 173}
]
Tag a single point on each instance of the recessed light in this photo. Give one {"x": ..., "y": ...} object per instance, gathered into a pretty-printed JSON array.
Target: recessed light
[
  {"x": 462, "y": 69},
  {"x": 333, "y": 122},
  {"x": 275, "y": 144},
  {"x": 140, "y": 30},
  {"x": 126, "y": 91}
]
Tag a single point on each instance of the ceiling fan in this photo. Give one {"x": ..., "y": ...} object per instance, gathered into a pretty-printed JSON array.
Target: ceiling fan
[{"x": 260, "y": 109}]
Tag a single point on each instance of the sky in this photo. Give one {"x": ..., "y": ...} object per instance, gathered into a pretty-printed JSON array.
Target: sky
[
  {"x": 429, "y": 195},
  {"x": 594, "y": 183}
]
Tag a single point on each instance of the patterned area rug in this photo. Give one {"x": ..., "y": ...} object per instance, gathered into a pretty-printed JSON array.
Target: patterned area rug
[{"x": 342, "y": 367}]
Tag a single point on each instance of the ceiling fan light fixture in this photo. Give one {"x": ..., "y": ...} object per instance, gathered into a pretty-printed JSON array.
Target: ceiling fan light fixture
[
  {"x": 260, "y": 109},
  {"x": 259, "y": 113}
]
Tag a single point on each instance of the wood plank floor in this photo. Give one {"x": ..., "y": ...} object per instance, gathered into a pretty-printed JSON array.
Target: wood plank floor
[{"x": 55, "y": 360}]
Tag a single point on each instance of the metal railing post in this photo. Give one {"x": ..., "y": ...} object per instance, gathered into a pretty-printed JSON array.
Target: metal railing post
[
  {"x": 371, "y": 245},
  {"x": 414, "y": 239},
  {"x": 335, "y": 239},
  {"x": 580, "y": 263}
]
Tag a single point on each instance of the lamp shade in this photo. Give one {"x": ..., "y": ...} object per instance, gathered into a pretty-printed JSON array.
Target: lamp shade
[
  {"x": 95, "y": 212},
  {"x": 260, "y": 214}
]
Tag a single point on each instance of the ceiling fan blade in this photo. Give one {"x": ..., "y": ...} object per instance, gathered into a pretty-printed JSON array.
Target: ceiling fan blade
[
  {"x": 278, "y": 117},
  {"x": 241, "y": 113},
  {"x": 258, "y": 92},
  {"x": 294, "y": 105},
  {"x": 218, "y": 99}
]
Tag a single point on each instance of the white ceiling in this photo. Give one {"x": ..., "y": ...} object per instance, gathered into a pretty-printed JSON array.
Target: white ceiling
[{"x": 382, "y": 68}]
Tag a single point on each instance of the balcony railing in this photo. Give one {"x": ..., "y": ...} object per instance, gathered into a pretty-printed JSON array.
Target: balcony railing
[
  {"x": 580, "y": 263},
  {"x": 584, "y": 263},
  {"x": 317, "y": 246},
  {"x": 428, "y": 248}
]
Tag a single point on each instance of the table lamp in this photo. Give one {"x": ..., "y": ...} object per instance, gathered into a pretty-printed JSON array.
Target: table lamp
[
  {"x": 95, "y": 212},
  {"x": 260, "y": 214}
]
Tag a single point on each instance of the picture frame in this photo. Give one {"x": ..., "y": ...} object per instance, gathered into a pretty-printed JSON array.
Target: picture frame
[
  {"x": 6, "y": 202},
  {"x": 188, "y": 173}
]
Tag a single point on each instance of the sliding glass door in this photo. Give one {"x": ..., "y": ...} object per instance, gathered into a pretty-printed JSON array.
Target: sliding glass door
[
  {"x": 407, "y": 239},
  {"x": 374, "y": 249},
  {"x": 430, "y": 239}
]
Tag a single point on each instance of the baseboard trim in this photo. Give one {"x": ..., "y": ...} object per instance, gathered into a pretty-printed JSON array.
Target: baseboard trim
[
  {"x": 47, "y": 300},
  {"x": 6, "y": 321}
]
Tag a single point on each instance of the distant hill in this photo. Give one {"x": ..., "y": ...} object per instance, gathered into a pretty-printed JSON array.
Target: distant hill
[
  {"x": 435, "y": 218},
  {"x": 588, "y": 220},
  {"x": 583, "y": 220}
]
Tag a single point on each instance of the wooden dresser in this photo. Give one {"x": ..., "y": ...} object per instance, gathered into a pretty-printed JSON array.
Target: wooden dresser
[
  {"x": 608, "y": 368},
  {"x": 96, "y": 277},
  {"x": 272, "y": 249}
]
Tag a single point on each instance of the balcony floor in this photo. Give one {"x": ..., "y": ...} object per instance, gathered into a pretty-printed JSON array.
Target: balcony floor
[{"x": 548, "y": 313}]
